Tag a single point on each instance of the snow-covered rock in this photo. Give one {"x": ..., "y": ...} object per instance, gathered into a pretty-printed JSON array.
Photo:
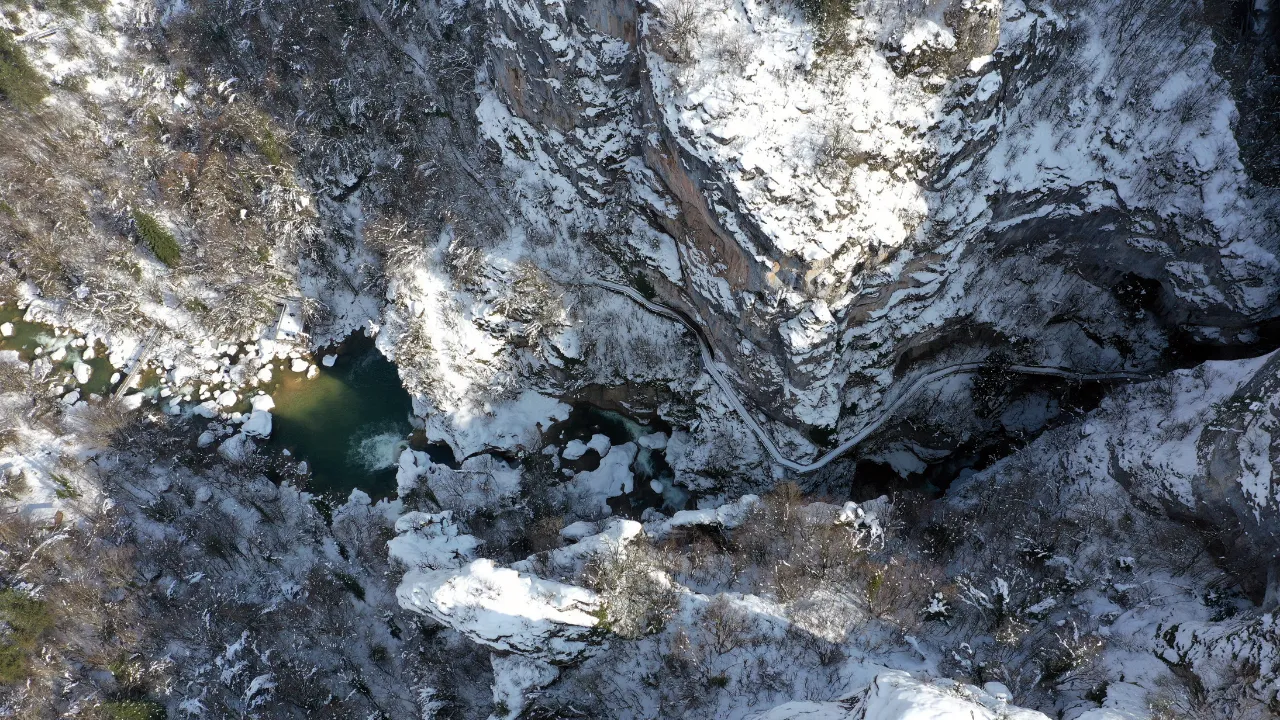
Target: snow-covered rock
[
  {"x": 897, "y": 695},
  {"x": 82, "y": 372},
  {"x": 729, "y": 515},
  {"x": 653, "y": 441},
  {"x": 236, "y": 448},
  {"x": 506, "y": 610},
  {"x": 258, "y": 424},
  {"x": 573, "y": 450},
  {"x": 578, "y": 530},
  {"x": 569, "y": 561},
  {"x": 514, "y": 677},
  {"x": 612, "y": 478},
  {"x": 482, "y": 481},
  {"x": 599, "y": 443},
  {"x": 431, "y": 541}
]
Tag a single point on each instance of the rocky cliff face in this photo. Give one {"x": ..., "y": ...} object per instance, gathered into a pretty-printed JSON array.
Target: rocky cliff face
[
  {"x": 843, "y": 203},
  {"x": 846, "y": 216},
  {"x": 1043, "y": 184},
  {"x": 914, "y": 223}
]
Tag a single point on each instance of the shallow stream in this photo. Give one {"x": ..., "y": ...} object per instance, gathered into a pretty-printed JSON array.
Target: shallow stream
[{"x": 32, "y": 340}]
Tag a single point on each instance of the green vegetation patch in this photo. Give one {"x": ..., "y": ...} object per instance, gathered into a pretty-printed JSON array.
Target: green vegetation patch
[
  {"x": 74, "y": 8},
  {"x": 160, "y": 240},
  {"x": 64, "y": 489},
  {"x": 26, "y": 619},
  {"x": 20, "y": 84}
]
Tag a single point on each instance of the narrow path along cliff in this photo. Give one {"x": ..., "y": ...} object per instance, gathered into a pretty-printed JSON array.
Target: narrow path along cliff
[{"x": 711, "y": 366}]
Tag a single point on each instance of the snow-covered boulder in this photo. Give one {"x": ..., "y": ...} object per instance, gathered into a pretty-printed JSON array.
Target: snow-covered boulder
[
  {"x": 514, "y": 677},
  {"x": 729, "y": 515},
  {"x": 599, "y": 443},
  {"x": 236, "y": 448},
  {"x": 895, "y": 695},
  {"x": 82, "y": 372},
  {"x": 501, "y": 608},
  {"x": 506, "y": 610},
  {"x": 259, "y": 422},
  {"x": 569, "y": 561},
  {"x": 431, "y": 540},
  {"x": 482, "y": 481},
  {"x": 578, "y": 530},
  {"x": 574, "y": 450},
  {"x": 653, "y": 441},
  {"x": 611, "y": 479}
]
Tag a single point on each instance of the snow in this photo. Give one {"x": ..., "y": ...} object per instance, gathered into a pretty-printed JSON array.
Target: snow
[
  {"x": 431, "y": 540},
  {"x": 727, "y": 516},
  {"x": 506, "y": 610},
  {"x": 82, "y": 372},
  {"x": 258, "y": 424},
  {"x": 329, "y": 360},
  {"x": 505, "y": 426},
  {"x": 6, "y": 329},
  {"x": 578, "y": 530},
  {"x": 612, "y": 478},
  {"x": 599, "y": 443},
  {"x": 927, "y": 34},
  {"x": 653, "y": 441},
  {"x": 574, "y": 450},
  {"x": 483, "y": 481},
  {"x": 898, "y": 696},
  {"x": 514, "y": 676},
  {"x": 570, "y": 560},
  {"x": 236, "y": 448}
]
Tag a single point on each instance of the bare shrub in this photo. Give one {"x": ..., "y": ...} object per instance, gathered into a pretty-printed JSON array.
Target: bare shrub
[
  {"x": 465, "y": 264},
  {"x": 728, "y": 627},
  {"x": 534, "y": 302},
  {"x": 839, "y": 151},
  {"x": 637, "y": 596},
  {"x": 395, "y": 241},
  {"x": 681, "y": 26},
  {"x": 733, "y": 50},
  {"x": 789, "y": 552}
]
